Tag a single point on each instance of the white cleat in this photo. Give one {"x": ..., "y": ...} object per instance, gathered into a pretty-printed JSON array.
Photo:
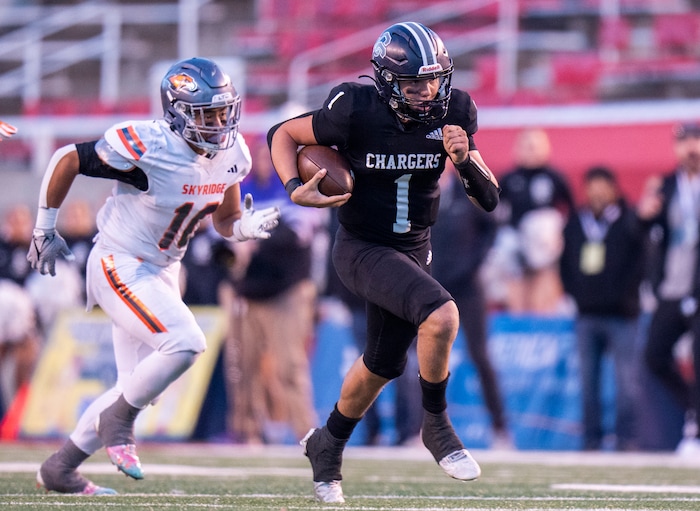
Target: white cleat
[
  {"x": 688, "y": 448},
  {"x": 461, "y": 465},
  {"x": 329, "y": 493},
  {"x": 326, "y": 456}
]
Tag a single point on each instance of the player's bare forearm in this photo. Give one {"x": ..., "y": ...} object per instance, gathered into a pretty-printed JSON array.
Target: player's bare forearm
[
  {"x": 228, "y": 211},
  {"x": 285, "y": 140},
  {"x": 59, "y": 178}
]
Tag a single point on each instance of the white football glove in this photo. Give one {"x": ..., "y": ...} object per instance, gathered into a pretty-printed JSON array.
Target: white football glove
[
  {"x": 255, "y": 224},
  {"x": 6, "y": 130},
  {"x": 45, "y": 247}
]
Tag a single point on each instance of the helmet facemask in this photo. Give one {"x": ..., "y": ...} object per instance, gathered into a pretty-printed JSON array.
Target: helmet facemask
[
  {"x": 199, "y": 124},
  {"x": 410, "y": 109}
]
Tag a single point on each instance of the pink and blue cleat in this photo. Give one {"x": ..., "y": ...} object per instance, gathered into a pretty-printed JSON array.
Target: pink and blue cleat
[{"x": 126, "y": 460}]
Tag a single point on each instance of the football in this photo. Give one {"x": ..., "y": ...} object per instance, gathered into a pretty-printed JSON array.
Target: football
[{"x": 338, "y": 179}]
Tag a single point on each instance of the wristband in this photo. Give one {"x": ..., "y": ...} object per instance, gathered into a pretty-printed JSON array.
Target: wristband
[
  {"x": 237, "y": 234},
  {"x": 46, "y": 219},
  {"x": 292, "y": 185},
  {"x": 464, "y": 163}
]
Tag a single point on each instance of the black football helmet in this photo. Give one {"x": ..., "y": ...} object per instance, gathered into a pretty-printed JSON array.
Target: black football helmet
[
  {"x": 411, "y": 51},
  {"x": 188, "y": 90}
]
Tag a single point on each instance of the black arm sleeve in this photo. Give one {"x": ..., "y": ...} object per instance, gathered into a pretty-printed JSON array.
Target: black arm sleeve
[
  {"x": 92, "y": 166},
  {"x": 478, "y": 184}
]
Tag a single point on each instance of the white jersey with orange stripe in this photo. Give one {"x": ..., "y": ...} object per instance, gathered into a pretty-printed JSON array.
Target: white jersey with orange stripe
[{"x": 183, "y": 187}]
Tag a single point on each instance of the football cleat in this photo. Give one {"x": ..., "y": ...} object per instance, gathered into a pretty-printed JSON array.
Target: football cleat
[
  {"x": 688, "y": 448},
  {"x": 440, "y": 438},
  {"x": 126, "y": 460},
  {"x": 117, "y": 435},
  {"x": 326, "y": 456},
  {"x": 461, "y": 465},
  {"x": 54, "y": 476},
  {"x": 329, "y": 493}
]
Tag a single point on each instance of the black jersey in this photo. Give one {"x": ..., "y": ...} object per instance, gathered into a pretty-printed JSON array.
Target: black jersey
[{"x": 396, "y": 166}]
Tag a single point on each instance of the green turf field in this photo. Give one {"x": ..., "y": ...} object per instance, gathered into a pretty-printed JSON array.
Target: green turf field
[{"x": 279, "y": 478}]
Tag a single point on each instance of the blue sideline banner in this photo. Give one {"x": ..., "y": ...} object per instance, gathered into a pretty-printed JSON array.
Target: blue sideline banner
[{"x": 537, "y": 365}]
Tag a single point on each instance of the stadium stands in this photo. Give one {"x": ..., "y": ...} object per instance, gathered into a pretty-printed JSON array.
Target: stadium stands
[{"x": 624, "y": 50}]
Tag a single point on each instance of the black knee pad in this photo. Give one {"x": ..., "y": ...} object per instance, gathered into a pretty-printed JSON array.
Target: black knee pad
[{"x": 388, "y": 369}]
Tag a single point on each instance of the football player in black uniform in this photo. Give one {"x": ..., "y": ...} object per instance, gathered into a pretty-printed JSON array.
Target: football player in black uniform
[{"x": 397, "y": 135}]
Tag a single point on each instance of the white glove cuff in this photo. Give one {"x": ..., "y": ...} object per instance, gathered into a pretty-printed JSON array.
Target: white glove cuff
[
  {"x": 46, "y": 219},
  {"x": 237, "y": 234}
]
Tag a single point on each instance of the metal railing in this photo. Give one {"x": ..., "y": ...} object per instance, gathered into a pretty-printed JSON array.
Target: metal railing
[
  {"x": 39, "y": 57},
  {"x": 502, "y": 33}
]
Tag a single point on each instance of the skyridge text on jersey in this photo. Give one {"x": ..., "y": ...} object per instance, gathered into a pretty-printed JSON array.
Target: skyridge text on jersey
[
  {"x": 402, "y": 161},
  {"x": 209, "y": 189}
]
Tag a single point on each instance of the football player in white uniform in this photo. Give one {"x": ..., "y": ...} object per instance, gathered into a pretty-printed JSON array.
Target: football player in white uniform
[{"x": 170, "y": 173}]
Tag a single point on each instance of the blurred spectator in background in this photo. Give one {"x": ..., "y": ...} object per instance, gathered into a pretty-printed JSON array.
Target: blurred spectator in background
[
  {"x": 15, "y": 236},
  {"x": 205, "y": 281},
  {"x": 20, "y": 340},
  {"x": 205, "y": 266},
  {"x": 273, "y": 318},
  {"x": 535, "y": 203},
  {"x": 602, "y": 269},
  {"x": 20, "y": 345},
  {"x": 66, "y": 289},
  {"x": 671, "y": 205},
  {"x": 77, "y": 224},
  {"x": 461, "y": 239}
]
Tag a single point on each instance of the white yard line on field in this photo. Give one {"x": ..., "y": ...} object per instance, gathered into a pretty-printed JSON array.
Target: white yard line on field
[
  {"x": 176, "y": 470},
  {"x": 628, "y": 488}
]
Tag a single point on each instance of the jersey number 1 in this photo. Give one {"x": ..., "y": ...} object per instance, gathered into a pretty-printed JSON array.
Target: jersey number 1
[{"x": 402, "y": 224}]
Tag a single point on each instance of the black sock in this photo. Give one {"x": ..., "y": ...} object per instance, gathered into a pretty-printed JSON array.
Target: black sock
[
  {"x": 116, "y": 425},
  {"x": 124, "y": 411},
  {"x": 70, "y": 455},
  {"x": 434, "y": 400},
  {"x": 340, "y": 426}
]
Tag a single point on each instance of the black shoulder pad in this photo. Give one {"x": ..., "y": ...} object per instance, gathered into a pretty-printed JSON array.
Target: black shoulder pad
[{"x": 92, "y": 166}]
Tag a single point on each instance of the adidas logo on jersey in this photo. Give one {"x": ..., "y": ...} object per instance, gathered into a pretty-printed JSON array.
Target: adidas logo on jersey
[{"x": 436, "y": 134}]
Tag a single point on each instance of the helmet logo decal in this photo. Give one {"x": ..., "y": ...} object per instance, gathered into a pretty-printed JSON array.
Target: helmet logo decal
[
  {"x": 183, "y": 82},
  {"x": 433, "y": 68},
  {"x": 222, "y": 98},
  {"x": 379, "y": 49}
]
